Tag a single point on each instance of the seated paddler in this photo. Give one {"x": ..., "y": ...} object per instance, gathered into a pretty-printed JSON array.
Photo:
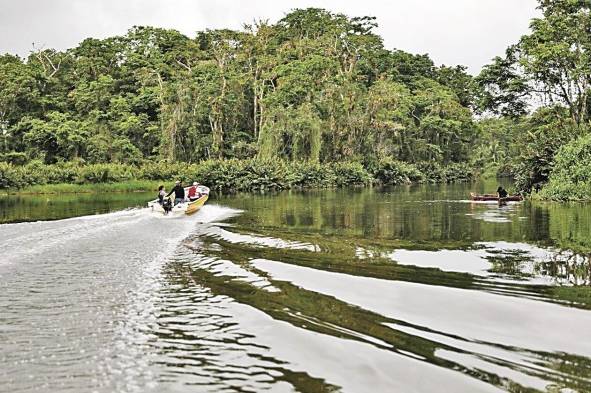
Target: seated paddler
[{"x": 501, "y": 192}]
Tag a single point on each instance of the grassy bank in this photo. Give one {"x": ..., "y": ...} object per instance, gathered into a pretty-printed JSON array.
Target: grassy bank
[{"x": 221, "y": 175}]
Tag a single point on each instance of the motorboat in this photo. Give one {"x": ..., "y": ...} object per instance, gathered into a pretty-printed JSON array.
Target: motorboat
[{"x": 185, "y": 207}]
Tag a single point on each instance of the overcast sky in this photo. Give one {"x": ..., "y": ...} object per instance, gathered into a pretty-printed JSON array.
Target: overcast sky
[{"x": 468, "y": 32}]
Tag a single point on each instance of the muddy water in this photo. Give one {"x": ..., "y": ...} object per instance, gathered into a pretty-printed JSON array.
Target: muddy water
[{"x": 375, "y": 290}]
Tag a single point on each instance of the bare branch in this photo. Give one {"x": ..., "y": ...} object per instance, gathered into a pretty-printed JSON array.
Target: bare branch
[{"x": 185, "y": 66}]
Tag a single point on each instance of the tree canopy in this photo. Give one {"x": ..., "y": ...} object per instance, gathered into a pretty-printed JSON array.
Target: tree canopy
[
  {"x": 552, "y": 63},
  {"x": 315, "y": 86},
  {"x": 541, "y": 88}
]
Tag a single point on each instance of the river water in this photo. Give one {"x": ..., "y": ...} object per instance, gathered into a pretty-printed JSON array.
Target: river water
[{"x": 408, "y": 289}]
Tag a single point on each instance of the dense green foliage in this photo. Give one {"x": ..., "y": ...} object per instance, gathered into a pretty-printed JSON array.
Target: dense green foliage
[
  {"x": 524, "y": 148},
  {"x": 315, "y": 86},
  {"x": 314, "y": 89},
  {"x": 549, "y": 69},
  {"x": 231, "y": 174},
  {"x": 571, "y": 175}
]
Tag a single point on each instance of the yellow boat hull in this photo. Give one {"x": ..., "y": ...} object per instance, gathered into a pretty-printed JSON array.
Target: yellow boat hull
[{"x": 194, "y": 206}]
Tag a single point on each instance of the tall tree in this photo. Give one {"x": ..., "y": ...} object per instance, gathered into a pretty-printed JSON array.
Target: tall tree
[{"x": 553, "y": 62}]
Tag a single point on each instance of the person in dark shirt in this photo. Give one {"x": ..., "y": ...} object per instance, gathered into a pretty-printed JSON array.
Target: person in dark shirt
[
  {"x": 179, "y": 192},
  {"x": 501, "y": 192}
]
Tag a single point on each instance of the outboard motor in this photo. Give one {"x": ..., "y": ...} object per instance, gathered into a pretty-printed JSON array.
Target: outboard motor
[{"x": 167, "y": 205}]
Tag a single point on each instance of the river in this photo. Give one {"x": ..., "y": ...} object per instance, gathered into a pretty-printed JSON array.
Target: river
[{"x": 404, "y": 289}]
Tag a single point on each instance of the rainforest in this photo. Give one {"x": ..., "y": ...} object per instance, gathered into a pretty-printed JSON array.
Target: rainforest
[
  {"x": 335, "y": 229},
  {"x": 314, "y": 99}
]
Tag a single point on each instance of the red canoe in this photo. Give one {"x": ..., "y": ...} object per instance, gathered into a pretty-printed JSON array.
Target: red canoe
[{"x": 494, "y": 197}]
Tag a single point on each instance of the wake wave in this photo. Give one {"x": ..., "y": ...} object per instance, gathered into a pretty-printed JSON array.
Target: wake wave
[
  {"x": 80, "y": 291},
  {"x": 25, "y": 241}
]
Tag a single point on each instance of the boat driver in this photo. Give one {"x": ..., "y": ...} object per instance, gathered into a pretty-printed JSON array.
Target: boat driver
[
  {"x": 179, "y": 192},
  {"x": 193, "y": 193}
]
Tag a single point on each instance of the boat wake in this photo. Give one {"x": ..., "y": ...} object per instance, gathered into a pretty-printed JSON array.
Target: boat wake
[{"x": 79, "y": 291}]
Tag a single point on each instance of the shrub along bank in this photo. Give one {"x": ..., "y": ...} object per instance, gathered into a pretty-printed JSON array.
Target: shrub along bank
[
  {"x": 570, "y": 179},
  {"x": 234, "y": 175}
]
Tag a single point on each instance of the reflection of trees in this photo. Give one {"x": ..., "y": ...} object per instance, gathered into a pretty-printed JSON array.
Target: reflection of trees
[
  {"x": 564, "y": 266},
  {"x": 426, "y": 217},
  {"x": 571, "y": 272},
  {"x": 415, "y": 213},
  {"x": 510, "y": 263},
  {"x": 18, "y": 208},
  {"x": 570, "y": 226},
  {"x": 328, "y": 315},
  {"x": 568, "y": 268},
  {"x": 354, "y": 230},
  {"x": 359, "y": 255},
  {"x": 195, "y": 335}
]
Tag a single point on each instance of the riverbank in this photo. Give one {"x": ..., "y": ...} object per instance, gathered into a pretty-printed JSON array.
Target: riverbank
[{"x": 220, "y": 175}]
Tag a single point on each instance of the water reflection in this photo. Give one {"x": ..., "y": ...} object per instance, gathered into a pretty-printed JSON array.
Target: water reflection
[
  {"x": 377, "y": 290},
  {"x": 19, "y": 208}
]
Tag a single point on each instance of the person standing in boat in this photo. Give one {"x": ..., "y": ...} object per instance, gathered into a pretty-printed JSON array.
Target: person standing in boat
[
  {"x": 193, "y": 194},
  {"x": 179, "y": 192},
  {"x": 501, "y": 192}
]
